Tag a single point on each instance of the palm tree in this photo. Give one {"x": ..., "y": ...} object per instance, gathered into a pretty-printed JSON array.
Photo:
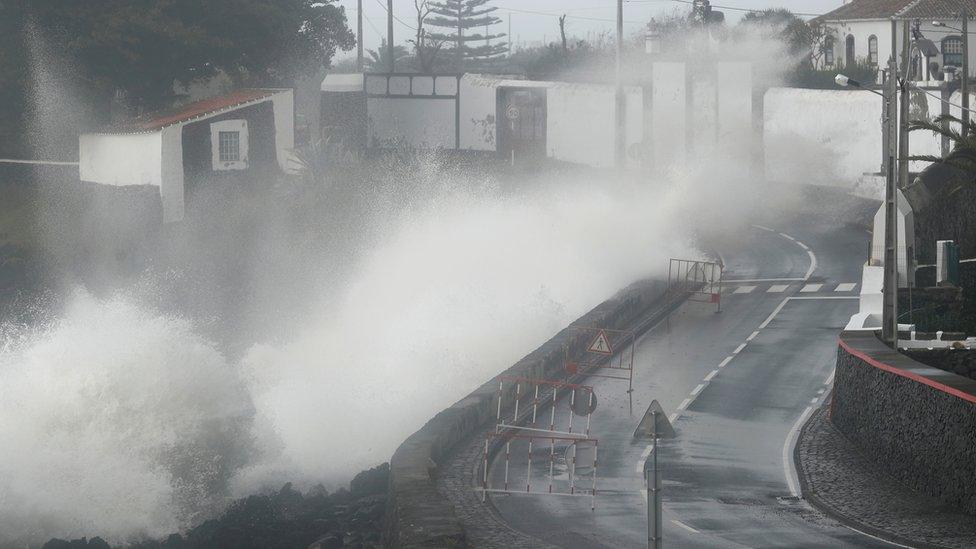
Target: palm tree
[
  {"x": 378, "y": 61},
  {"x": 962, "y": 154}
]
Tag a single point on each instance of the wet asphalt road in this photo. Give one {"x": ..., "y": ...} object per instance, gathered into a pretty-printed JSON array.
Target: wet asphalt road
[{"x": 741, "y": 382}]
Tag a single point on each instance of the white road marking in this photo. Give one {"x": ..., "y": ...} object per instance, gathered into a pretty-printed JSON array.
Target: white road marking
[
  {"x": 673, "y": 417},
  {"x": 814, "y": 399},
  {"x": 820, "y": 391},
  {"x": 802, "y": 245},
  {"x": 777, "y": 288},
  {"x": 684, "y": 404},
  {"x": 38, "y": 162},
  {"x": 773, "y": 314},
  {"x": 697, "y": 389},
  {"x": 825, "y": 297},
  {"x": 737, "y": 280},
  {"x": 877, "y": 538},
  {"x": 784, "y": 235},
  {"x": 791, "y": 477},
  {"x": 752, "y": 335},
  {"x": 811, "y": 288},
  {"x": 744, "y": 289},
  {"x": 813, "y": 264},
  {"x": 764, "y": 228},
  {"x": 685, "y": 526},
  {"x": 845, "y": 287},
  {"x": 725, "y": 361},
  {"x": 711, "y": 375},
  {"x": 830, "y": 379},
  {"x": 739, "y": 348}
]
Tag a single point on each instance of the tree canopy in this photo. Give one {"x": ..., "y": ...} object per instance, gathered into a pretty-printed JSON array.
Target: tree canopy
[
  {"x": 458, "y": 16},
  {"x": 142, "y": 47}
]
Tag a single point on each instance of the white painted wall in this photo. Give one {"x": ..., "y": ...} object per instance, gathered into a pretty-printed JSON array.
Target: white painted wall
[
  {"x": 581, "y": 123},
  {"x": 171, "y": 190},
  {"x": 418, "y": 123},
  {"x": 863, "y": 30},
  {"x": 735, "y": 131},
  {"x": 668, "y": 121},
  {"x": 284, "y": 119},
  {"x": 478, "y": 116},
  {"x": 110, "y": 159},
  {"x": 831, "y": 136}
]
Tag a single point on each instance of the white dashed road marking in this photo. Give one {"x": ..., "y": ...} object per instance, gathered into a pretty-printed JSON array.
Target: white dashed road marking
[
  {"x": 811, "y": 288},
  {"x": 698, "y": 389},
  {"x": 739, "y": 349},
  {"x": 845, "y": 287},
  {"x": 744, "y": 289},
  {"x": 685, "y": 526},
  {"x": 777, "y": 288}
]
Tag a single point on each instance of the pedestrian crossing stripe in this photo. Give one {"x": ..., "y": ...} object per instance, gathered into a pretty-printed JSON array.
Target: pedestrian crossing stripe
[
  {"x": 811, "y": 288},
  {"x": 777, "y": 288},
  {"x": 845, "y": 287},
  {"x": 744, "y": 289}
]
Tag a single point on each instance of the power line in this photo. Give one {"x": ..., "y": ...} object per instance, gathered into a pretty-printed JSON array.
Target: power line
[{"x": 395, "y": 18}]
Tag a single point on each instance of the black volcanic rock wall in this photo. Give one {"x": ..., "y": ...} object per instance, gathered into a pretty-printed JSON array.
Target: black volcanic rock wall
[{"x": 915, "y": 421}]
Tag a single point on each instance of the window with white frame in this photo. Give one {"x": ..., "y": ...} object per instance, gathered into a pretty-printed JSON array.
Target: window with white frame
[
  {"x": 229, "y": 139},
  {"x": 873, "y": 50},
  {"x": 952, "y": 51},
  {"x": 829, "y": 51}
]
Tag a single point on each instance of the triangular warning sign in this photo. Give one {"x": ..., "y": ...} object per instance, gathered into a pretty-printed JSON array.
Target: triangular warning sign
[
  {"x": 654, "y": 422},
  {"x": 601, "y": 344}
]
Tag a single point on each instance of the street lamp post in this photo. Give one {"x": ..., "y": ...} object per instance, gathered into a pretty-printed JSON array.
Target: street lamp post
[{"x": 889, "y": 326}]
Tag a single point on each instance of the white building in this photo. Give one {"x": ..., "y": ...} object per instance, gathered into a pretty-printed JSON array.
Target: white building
[{"x": 860, "y": 32}]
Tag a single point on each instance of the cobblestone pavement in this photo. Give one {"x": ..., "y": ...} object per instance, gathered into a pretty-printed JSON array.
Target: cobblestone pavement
[
  {"x": 848, "y": 485},
  {"x": 457, "y": 481}
]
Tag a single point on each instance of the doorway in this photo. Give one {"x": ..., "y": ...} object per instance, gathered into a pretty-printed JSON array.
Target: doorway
[{"x": 521, "y": 123}]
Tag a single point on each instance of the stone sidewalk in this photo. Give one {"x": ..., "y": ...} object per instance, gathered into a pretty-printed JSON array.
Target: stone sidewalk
[{"x": 847, "y": 485}]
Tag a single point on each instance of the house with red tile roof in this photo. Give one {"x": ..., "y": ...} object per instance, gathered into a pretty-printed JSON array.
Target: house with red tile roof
[
  {"x": 246, "y": 133},
  {"x": 861, "y": 33}
]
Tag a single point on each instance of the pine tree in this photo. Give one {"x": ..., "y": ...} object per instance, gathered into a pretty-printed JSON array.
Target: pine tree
[{"x": 459, "y": 16}]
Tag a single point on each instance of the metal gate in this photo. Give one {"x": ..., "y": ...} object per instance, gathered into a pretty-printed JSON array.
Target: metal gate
[{"x": 521, "y": 123}]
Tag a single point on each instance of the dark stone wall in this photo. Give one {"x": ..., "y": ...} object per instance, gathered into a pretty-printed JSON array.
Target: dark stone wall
[
  {"x": 417, "y": 514},
  {"x": 922, "y": 435}
]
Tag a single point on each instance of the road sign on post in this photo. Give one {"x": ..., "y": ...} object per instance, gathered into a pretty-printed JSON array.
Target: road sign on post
[{"x": 654, "y": 425}]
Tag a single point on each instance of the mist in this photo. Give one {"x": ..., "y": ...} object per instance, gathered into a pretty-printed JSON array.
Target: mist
[{"x": 128, "y": 417}]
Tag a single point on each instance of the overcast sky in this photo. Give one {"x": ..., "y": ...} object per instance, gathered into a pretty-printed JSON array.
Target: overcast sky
[{"x": 586, "y": 17}]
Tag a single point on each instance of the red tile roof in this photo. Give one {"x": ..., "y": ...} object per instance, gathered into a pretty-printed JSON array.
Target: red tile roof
[
  {"x": 865, "y": 9},
  {"x": 899, "y": 9},
  {"x": 193, "y": 110},
  {"x": 937, "y": 9}
]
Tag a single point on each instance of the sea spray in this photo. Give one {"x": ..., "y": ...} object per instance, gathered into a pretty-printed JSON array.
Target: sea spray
[{"x": 115, "y": 421}]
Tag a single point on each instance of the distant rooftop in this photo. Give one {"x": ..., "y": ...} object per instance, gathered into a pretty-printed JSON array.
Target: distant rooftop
[
  {"x": 899, "y": 9},
  {"x": 191, "y": 111}
]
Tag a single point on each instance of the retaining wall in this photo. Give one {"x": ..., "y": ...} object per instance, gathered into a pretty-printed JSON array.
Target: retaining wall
[
  {"x": 418, "y": 515},
  {"x": 915, "y": 421}
]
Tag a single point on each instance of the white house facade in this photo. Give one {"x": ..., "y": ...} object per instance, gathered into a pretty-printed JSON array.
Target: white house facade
[{"x": 859, "y": 32}]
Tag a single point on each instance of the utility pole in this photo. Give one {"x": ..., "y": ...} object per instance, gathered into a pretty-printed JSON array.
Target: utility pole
[
  {"x": 620, "y": 105},
  {"x": 889, "y": 327},
  {"x": 459, "y": 53},
  {"x": 389, "y": 34},
  {"x": 509, "y": 34},
  {"x": 965, "y": 72},
  {"x": 359, "y": 35}
]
